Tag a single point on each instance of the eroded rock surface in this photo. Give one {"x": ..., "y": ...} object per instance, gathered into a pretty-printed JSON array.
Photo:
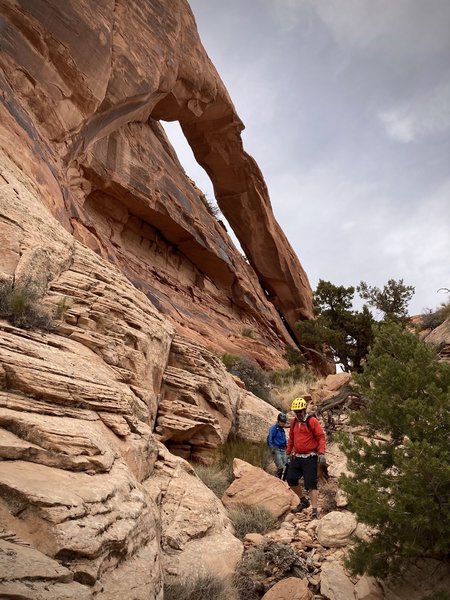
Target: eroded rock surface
[
  {"x": 97, "y": 214},
  {"x": 254, "y": 487},
  {"x": 91, "y": 114},
  {"x": 78, "y": 404}
]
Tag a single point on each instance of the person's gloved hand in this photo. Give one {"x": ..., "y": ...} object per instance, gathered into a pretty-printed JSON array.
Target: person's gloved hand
[{"x": 321, "y": 459}]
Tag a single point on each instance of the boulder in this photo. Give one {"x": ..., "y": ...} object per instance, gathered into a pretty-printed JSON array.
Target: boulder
[
  {"x": 290, "y": 588},
  {"x": 334, "y": 583},
  {"x": 335, "y": 529},
  {"x": 367, "y": 588},
  {"x": 31, "y": 575},
  {"x": 254, "y": 487},
  {"x": 254, "y": 417}
]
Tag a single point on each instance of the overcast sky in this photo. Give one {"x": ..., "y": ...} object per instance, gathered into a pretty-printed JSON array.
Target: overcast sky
[{"x": 346, "y": 107}]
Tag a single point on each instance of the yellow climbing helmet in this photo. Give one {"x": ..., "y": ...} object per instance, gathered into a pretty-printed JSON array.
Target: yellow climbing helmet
[{"x": 298, "y": 404}]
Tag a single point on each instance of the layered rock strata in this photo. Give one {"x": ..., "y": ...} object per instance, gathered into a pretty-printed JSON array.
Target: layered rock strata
[
  {"x": 92, "y": 505},
  {"x": 91, "y": 112},
  {"x": 98, "y": 216}
]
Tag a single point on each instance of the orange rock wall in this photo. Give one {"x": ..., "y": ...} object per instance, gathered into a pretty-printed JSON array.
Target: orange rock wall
[{"x": 86, "y": 83}]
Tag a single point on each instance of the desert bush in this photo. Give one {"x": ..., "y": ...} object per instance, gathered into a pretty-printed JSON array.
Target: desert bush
[
  {"x": 21, "y": 305},
  {"x": 290, "y": 390},
  {"x": 293, "y": 356},
  {"x": 255, "y": 379},
  {"x": 251, "y": 519},
  {"x": 215, "y": 477},
  {"x": 247, "y": 332},
  {"x": 292, "y": 375},
  {"x": 61, "y": 308},
  {"x": 430, "y": 319},
  {"x": 211, "y": 206},
  {"x": 196, "y": 588},
  {"x": 278, "y": 560},
  {"x": 229, "y": 360}
]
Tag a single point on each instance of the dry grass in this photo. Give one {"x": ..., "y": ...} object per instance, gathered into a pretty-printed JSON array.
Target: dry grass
[
  {"x": 196, "y": 588},
  {"x": 215, "y": 477},
  {"x": 291, "y": 389},
  {"x": 252, "y": 519},
  {"x": 22, "y": 306}
]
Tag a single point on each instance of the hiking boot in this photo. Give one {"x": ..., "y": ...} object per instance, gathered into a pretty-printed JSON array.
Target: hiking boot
[
  {"x": 314, "y": 514},
  {"x": 304, "y": 503}
]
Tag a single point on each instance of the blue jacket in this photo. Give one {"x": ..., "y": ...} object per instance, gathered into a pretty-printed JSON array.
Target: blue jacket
[{"x": 276, "y": 437}]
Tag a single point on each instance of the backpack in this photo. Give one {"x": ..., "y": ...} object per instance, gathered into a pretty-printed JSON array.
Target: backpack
[{"x": 307, "y": 425}]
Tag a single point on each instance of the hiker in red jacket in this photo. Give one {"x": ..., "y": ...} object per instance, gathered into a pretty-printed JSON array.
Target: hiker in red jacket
[{"x": 306, "y": 447}]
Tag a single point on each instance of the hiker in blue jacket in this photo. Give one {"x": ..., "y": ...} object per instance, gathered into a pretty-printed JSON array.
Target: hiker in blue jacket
[{"x": 276, "y": 440}]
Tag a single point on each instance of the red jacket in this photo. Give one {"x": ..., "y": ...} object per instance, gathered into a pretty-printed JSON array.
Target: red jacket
[{"x": 305, "y": 438}]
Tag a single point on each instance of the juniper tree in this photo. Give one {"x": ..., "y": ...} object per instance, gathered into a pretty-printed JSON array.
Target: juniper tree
[
  {"x": 392, "y": 300},
  {"x": 401, "y": 478},
  {"x": 342, "y": 333}
]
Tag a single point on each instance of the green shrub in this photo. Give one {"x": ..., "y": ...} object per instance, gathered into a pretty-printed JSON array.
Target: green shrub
[
  {"x": 401, "y": 486},
  {"x": 247, "y": 332},
  {"x": 21, "y": 305},
  {"x": 61, "y": 308},
  {"x": 293, "y": 356},
  {"x": 430, "y": 319},
  {"x": 196, "y": 588},
  {"x": 251, "y": 519},
  {"x": 215, "y": 477},
  {"x": 255, "y": 379},
  {"x": 229, "y": 360}
]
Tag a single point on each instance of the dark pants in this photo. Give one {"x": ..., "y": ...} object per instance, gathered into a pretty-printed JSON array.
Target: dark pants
[{"x": 303, "y": 467}]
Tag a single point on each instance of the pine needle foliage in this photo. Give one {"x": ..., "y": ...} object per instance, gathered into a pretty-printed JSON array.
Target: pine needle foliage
[{"x": 401, "y": 477}]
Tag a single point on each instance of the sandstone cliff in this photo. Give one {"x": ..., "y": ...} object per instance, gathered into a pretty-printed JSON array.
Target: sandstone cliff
[
  {"x": 87, "y": 83},
  {"x": 96, "y": 210}
]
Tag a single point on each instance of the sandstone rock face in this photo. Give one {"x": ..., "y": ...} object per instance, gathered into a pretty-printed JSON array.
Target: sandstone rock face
[
  {"x": 199, "y": 402},
  {"x": 145, "y": 287},
  {"x": 254, "y": 487},
  {"x": 334, "y": 583},
  {"x": 440, "y": 339},
  {"x": 197, "y": 535},
  {"x": 91, "y": 113},
  {"x": 79, "y": 487}
]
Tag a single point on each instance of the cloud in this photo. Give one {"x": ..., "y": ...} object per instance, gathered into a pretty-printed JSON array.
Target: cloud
[
  {"x": 410, "y": 26},
  {"x": 426, "y": 115},
  {"x": 346, "y": 111},
  {"x": 398, "y": 125}
]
